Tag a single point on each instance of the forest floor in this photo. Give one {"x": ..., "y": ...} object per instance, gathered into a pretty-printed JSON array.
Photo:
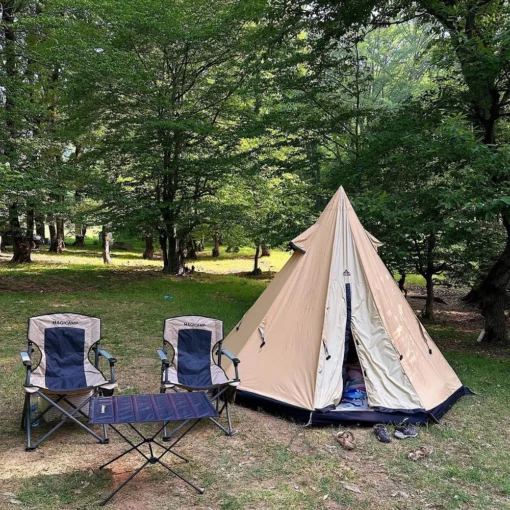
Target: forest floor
[{"x": 271, "y": 462}]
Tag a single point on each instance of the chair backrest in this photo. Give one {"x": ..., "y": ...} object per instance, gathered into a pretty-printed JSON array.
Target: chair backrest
[
  {"x": 65, "y": 340},
  {"x": 193, "y": 339}
]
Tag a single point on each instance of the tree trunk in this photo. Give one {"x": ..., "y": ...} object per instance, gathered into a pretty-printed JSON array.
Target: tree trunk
[
  {"x": 216, "y": 247},
  {"x": 429, "y": 303},
  {"x": 266, "y": 252},
  {"x": 148, "y": 254},
  {"x": 200, "y": 245},
  {"x": 256, "y": 269},
  {"x": 493, "y": 291},
  {"x": 30, "y": 228},
  {"x": 106, "y": 245},
  {"x": 53, "y": 235},
  {"x": 39, "y": 228},
  {"x": 173, "y": 251},
  {"x": 20, "y": 248},
  {"x": 79, "y": 235},
  {"x": 79, "y": 240},
  {"x": 164, "y": 250},
  {"x": 402, "y": 282},
  {"x": 60, "y": 235},
  {"x": 192, "y": 249}
]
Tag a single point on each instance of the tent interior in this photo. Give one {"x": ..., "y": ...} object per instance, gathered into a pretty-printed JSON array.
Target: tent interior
[{"x": 354, "y": 397}]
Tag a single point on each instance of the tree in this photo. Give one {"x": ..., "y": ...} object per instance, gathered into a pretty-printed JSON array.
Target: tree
[
  {"x": 426, "y": 190},
  {"x": 161, "y": 80},
  {"x": 267, "y": 207},
  {"x": 473, "y": 37}
]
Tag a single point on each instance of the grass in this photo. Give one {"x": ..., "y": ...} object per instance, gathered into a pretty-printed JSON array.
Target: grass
[{"x": 272, "y": 462}]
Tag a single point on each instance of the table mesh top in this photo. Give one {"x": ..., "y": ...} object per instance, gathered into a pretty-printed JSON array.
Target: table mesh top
[{"x": 151, "y": 408}]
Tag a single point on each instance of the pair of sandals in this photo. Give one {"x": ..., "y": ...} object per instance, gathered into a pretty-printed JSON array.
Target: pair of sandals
[{"x": 403, "y": 431}]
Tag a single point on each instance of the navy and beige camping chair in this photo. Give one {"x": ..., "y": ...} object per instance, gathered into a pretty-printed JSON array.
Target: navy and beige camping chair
[
  {"x": 64, "y": 378},
  {"x": 191, "y": 361}
]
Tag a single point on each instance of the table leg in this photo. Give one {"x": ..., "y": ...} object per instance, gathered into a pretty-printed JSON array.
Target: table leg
[
  {"x": 152, "y": 459},
  {"x": 103, "y": 503},
  {"x": 134, "y": 447},
  {"x": 200, "y": 491}
]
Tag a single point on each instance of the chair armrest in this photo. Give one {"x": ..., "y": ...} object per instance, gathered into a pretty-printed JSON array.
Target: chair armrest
[
  {"x": 230, "y": 356},
  {"x": 26, "y": 359},
  {"x": 163, "y": 357},
  {"x": 107, "y": 356}
]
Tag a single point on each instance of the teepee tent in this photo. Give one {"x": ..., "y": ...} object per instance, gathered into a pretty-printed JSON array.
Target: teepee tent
[{"x": 333, "y": 323}]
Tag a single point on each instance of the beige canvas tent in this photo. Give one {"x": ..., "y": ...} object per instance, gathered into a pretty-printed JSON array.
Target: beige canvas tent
[{"x": 332, "y": 338}]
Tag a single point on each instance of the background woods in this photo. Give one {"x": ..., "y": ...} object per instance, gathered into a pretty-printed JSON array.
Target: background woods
[{"x": 232, "y": 122}]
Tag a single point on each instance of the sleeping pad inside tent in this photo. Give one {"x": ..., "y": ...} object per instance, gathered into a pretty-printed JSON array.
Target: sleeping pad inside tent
[{"x": 333, "y": 340}]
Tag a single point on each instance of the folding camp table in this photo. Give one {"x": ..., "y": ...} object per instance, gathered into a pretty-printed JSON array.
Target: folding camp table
[{"x": 159, "y": 407}]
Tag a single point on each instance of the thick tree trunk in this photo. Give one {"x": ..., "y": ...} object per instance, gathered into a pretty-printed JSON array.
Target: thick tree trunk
[
  {"x": 493, "y": 291},
  {"x": 53, "y": 236},
  {"x": 106, "y": 245},
  {"x": 256, "y": 269},
  {"x": 60, "y": 235},
  {"x": 200, "y": 245},
  {"x": 20, "y": 248},
  {"x": 176, "y": 248},
  {"x": 216, "y": 247},
  {"x": 266, "y": 252},
  {"x": 79, "y": 240},
  {"x": 148, "y": 254},
  {"x": 173, "y": 250},
  {"x": 79, "y": 235}
]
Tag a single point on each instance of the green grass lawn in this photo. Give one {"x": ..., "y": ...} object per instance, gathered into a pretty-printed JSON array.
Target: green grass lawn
[{"x": 271, "y": 462}]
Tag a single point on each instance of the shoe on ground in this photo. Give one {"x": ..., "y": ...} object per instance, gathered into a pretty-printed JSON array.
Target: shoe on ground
[
  {"x": 381, "y": 432},
  {"x": 405, "y": 431}
]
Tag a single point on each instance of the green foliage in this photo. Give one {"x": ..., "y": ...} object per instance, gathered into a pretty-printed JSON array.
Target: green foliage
[{"x": 429, "y": 192}]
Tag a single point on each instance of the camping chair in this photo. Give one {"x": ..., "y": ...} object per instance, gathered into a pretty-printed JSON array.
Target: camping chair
[
  {"x": 195, "y": 363},
  {"x": 64, "y": 370}
]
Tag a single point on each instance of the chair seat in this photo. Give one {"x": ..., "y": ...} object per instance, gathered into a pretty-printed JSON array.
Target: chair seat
[
  {"x": 218, "y": 378},
  {"x": 93, "y": 377}
]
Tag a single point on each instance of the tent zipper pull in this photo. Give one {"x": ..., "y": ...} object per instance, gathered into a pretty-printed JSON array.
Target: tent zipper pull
[
  {"x": 328, "y": 356},
  {"x": 262, "y": 336},
  {"x": 239, "y": 323}
]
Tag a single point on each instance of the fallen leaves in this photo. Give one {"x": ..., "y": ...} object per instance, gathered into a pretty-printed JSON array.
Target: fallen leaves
[{"x": 421, "y": 453}]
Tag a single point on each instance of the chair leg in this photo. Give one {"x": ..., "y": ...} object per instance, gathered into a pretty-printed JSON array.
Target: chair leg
[
  {"x": 67, "y": 416},
  {"x": 28, "y": 423},
  {"x": 23, "y": 424},
  {"x": 228, "y": 431},
  {"x": 229, "y": 421},
  {"x": 162, "y": 389}
]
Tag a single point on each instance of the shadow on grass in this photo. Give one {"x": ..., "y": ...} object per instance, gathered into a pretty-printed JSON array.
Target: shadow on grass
[{"x": 80, "y": 489}]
